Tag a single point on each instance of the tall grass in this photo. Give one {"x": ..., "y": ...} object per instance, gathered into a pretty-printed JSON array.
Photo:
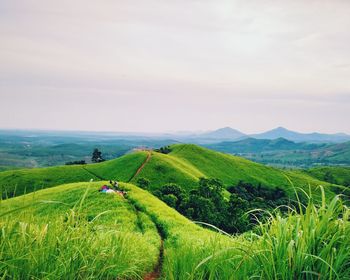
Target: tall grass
[
  {"x": 58, "y": 240},
  {"x": 312, "y": 244}
]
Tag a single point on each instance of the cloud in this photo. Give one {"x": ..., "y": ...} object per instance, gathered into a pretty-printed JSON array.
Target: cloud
[{"x": 238, "y": 55}]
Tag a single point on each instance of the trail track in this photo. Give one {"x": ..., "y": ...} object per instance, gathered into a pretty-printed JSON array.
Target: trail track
[
  {"x": 142, "y": 166},
  {"x": 156, "y": 273}
]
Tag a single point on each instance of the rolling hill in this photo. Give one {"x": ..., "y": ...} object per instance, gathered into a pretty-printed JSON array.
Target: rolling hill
[
  {"x": 253, "y": 145},
  {"x": 184, "y": 165},
  {"x": 74, "y": 232},
  {"x": 282, "y": 152},
  {"x": 332, "y": 174}
]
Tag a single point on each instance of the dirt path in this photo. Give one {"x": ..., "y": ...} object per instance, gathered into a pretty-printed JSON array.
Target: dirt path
[
  {"x": 157, "y": 271},
  {"x": 142, "y": 166}
]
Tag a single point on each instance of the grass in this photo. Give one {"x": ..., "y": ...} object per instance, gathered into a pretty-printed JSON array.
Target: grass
[
  {"x": 314, "y": 244},
  {"x": 65, "y": 233},
  {"x": 75, "y": 232},
  {"x": 184, "y": 166},
  {"x": 332, "y": 174},
  {"x": 231, "y": 169},
  {"x": 18, "y": 182}
]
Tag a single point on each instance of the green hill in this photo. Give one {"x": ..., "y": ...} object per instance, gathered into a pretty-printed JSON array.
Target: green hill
[
  {"x": 64, "y": 230},
  {"x": 184, "y": 165},
  {"x": 74, "y": 232},
  {"x": 332, "y": 174},
  {"x": 17, "y": 182}
]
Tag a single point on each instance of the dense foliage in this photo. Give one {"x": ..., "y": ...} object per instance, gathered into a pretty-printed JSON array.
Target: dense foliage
[
  {"x": 97, "y": 156},
  {"x": 163, "y": 150},
  {"x": 76, "y": 162},
  {"x": 209, "y": 204}
]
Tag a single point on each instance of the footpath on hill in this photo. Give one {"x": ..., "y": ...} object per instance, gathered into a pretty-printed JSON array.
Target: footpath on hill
[
  {"x": 156, "y": 273},
  {"x": 149, "y": 155}
]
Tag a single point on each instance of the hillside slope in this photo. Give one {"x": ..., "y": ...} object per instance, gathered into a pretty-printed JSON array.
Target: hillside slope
[
  {"x": 74, "y": 232},
  {"x": 184, "y": 165},
  {"x": 132, "y": 225},
  {"x": 18, "y": 182},
  {"x": 231, "y": 169},
  {"x": 332, "y": 174}
]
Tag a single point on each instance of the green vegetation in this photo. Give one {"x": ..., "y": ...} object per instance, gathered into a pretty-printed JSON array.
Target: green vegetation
[
  {"x": 210, "y": 204},
  {"x": 97, "y": 156},
  {"x": 184, "y": 165},
  {"x": 17, "y": 182},
  {"x": 283, "y": 153},
  {"x": 231, "y": 169},
  {"x": 311, "y": 245},
  {"x": 32, "y": 149},
  {"x": 6, "y": 168},
  {"x": 334, "y": 175},
  {"x": 74, "y": 232}
]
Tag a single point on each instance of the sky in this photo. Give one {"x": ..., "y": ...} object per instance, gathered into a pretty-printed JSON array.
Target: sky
[{"x": 184, "y": 65}]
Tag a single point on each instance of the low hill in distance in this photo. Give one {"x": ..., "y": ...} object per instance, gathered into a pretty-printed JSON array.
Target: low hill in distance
[
  {"x": 283, "y": 152},
  {"x": 331, "y": 174}
]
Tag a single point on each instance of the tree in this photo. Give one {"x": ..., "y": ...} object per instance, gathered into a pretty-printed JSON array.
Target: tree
[
  {"x": 175, "y": 191},
  {"x": 170, "y": 199},
  {"x": 143, "y": 183},
  {"x": 96, "y": 156}
]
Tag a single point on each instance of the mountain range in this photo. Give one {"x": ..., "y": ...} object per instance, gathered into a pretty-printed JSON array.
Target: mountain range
[{"x": 230, "y": 134}]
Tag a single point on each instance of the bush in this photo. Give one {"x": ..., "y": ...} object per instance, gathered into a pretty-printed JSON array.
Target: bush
[{"x": 143, "y": 183}]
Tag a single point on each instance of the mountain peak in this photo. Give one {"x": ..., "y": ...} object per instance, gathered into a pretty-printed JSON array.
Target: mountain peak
[
  {"x": 224, "y": 133},
  {"x": 280, "y": 128}
]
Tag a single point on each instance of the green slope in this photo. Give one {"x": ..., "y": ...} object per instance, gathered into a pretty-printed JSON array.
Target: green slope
[
  {"x": 184, "y": 166},
  {"x": 162, "y": 169},
  {"x": 186, "y": 163},
  {"x": 332, "y": 174},
  {"x": 74, "y": 232},
  {"x": 17, "y": 182}
]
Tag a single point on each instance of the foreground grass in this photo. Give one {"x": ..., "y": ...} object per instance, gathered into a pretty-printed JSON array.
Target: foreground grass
[
  {"x": 74, "y": 232},
  {"x": 76, "y": 238},
  {"x": 314, "y": 244}
]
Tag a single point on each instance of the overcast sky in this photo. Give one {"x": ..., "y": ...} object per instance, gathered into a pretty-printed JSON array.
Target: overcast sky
[{"x": 166, "y": 65}]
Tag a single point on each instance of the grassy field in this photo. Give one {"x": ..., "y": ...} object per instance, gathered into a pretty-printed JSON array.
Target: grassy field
[
  {"x": 74, "y": 232},
  {"x": 17, "y": 182},
  {"x": 335, "y": 175},
  {"x": 311, "y": 245},
  {"x": 184, "y": 166}
]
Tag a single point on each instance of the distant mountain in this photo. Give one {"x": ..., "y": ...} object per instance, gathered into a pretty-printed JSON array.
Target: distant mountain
[
  {"x": 281, "y": 132},
  {"x": 226, "y": 133}
]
